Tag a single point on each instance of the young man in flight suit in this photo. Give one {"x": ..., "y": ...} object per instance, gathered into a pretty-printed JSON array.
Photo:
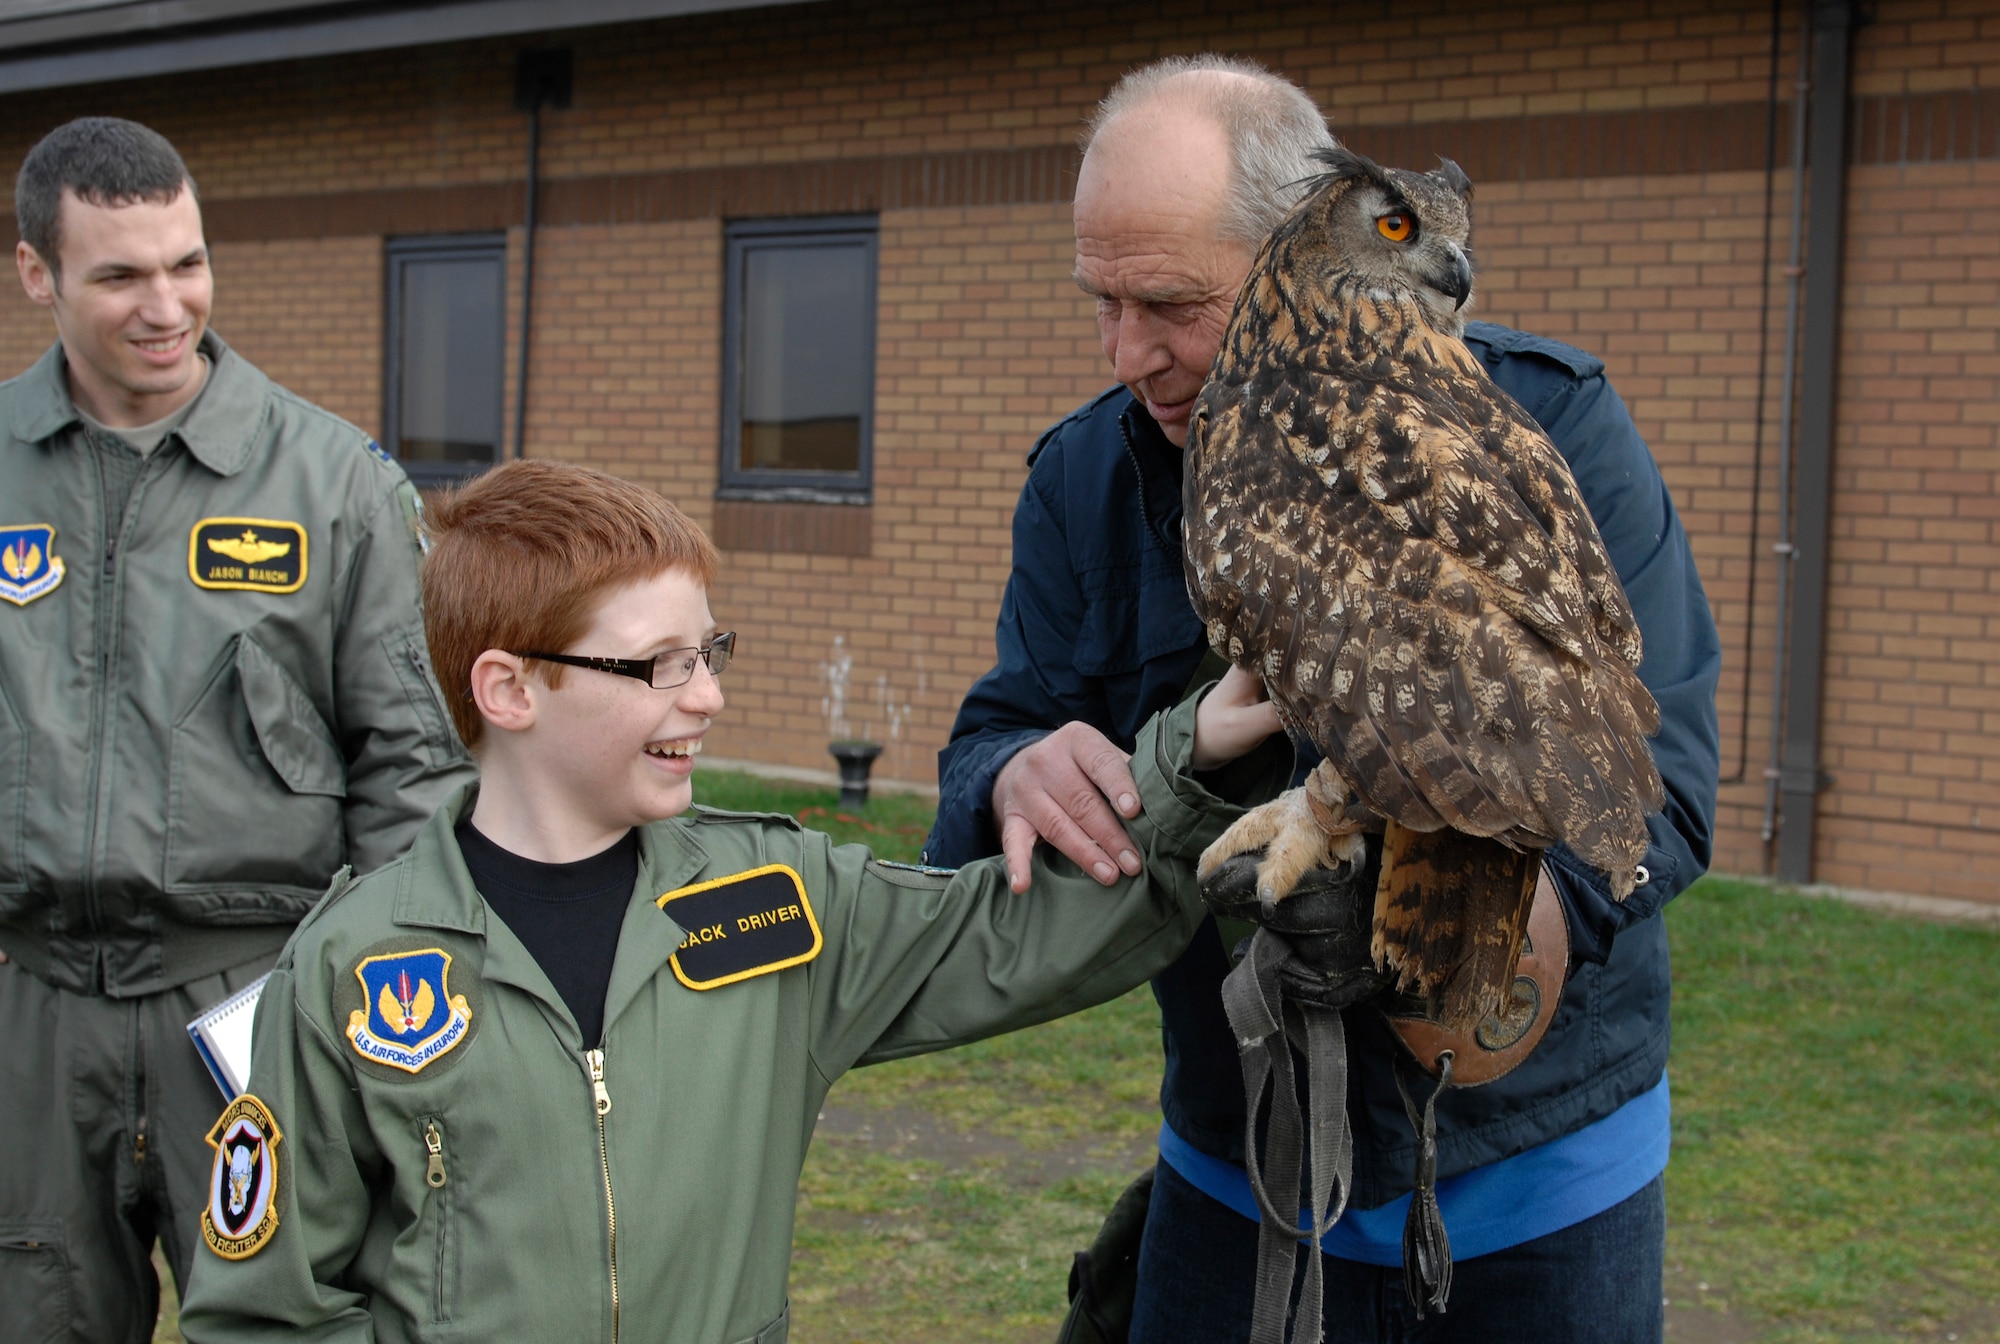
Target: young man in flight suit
[
  {"x": 214, "y": 693},
  {"x": 552, "y": 1074}
]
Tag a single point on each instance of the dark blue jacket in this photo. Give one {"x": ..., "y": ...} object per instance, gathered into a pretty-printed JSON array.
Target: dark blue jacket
[{"x": 1096, "y": 625}]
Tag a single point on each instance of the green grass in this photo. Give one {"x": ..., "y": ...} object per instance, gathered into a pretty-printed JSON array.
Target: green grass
[
  {"x": 1836, "y": 1162},
  {"x": 1836, "y": 1169},
  {"x": 890, "y": 1249},
  {"x": 893, "y": 825}
]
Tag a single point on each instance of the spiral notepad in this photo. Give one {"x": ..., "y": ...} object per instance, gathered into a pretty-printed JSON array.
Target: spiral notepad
[{"x": 222, "y": 1035}]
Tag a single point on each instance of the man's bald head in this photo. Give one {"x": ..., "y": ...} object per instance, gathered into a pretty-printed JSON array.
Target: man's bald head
[{"x": 1269, "y": 124}]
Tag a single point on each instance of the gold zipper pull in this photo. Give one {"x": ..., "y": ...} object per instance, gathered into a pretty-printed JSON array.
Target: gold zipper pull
[
  {"x": 594, "y": 1059},
  {"x": 434, "y": 1168}
]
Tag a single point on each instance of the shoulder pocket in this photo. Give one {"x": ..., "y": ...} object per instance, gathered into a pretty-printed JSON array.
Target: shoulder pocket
[{"x": 293, "y": 737}]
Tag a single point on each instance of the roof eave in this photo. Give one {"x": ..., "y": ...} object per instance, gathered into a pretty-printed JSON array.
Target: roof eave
[{"x": 283, "y": 35}]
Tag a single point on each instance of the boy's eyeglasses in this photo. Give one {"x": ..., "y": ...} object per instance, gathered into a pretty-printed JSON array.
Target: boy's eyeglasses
[{"x": 673, "y": 668}]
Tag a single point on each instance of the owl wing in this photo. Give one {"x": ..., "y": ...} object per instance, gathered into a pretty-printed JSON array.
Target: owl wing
[
  {"x": 1363, "y": 544},
  {"x": 1534, "y": 470}
]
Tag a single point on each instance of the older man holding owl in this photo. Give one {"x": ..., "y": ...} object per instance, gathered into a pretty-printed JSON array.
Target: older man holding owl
[{"x": 1549, "y": 1179}]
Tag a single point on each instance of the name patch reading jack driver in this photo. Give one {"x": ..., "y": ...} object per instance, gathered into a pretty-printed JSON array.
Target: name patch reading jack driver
[{"x": 746, "y": 924}]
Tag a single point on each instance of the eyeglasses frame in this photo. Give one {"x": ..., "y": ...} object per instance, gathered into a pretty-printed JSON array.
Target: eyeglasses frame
[{"x": 641, "y": 669}]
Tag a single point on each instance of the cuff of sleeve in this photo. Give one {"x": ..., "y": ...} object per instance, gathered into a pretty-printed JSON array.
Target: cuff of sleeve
[
  {"x": 1182, "y": 812},
  {"x": 963, "y": 830},
  {"x": 1594, "y": 917}
]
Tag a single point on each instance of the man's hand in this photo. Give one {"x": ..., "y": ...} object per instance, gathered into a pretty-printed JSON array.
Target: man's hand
[
  {"x": 1232, "y": 719},
  {"x": 1063, "y": 789}
]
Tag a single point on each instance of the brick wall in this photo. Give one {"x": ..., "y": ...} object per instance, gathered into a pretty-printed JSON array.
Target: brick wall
[
  {"x": 1623, "y": 204},
  {"x": 309, "y": 313},
  {"x": 1912, "y": 727}
]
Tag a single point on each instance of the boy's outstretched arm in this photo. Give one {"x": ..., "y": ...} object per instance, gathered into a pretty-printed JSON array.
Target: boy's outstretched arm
[{"x": 917, "y": 961}]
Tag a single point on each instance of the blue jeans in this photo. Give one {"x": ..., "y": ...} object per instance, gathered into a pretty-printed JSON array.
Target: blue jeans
[{"x": 1597, "y": 1282}]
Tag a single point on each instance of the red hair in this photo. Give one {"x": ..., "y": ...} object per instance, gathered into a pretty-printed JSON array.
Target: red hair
[{"x": 522, "y": 556}]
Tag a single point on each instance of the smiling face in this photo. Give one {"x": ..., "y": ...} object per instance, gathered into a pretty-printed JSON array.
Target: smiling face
[
  {"x": 1148, "y": 202},
  {"x": 132, "y": 304},
  {"x": 575, "y": 766}
]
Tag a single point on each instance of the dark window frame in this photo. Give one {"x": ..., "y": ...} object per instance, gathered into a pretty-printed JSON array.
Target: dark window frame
[
  {"x": 436, "y": 247},
  {"x": 739, "y": 238}
]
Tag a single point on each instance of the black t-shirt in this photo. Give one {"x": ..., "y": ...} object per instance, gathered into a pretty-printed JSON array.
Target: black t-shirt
[{"x": 566, "y": 914}]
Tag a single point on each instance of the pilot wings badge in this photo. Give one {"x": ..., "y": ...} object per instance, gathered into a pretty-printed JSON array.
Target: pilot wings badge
[
  {"x": 29, "y": 565},
  {"x": 409, "y": 1017}
]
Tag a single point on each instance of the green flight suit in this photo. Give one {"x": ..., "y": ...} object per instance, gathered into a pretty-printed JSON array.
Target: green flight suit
[
  {"x": 214, "y": 692},
  {"x": 673, "y": 1221}
]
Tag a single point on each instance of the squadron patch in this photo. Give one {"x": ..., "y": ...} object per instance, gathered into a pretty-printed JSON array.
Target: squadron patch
[
  {"x": 740, "y": 926},
  {"x": 408, "y": 1018},
  {"x": 258, "y": 555},
  {"x": 29, "y": 565},
  {"x": 242, "y": 1212}
]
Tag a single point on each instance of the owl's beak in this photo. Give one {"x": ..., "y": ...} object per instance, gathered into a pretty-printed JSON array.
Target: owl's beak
[{"x": 1456, "y": 280}]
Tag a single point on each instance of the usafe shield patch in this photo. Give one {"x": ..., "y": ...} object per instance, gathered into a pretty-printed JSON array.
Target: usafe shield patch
[
  {"x": 258, "y": 555},
  {"x": 408, "y": 1017},
  {"x": 740, "y": 926},
  {"x": 29, "y": 565},
  {"x": 242, "y": 1212}
]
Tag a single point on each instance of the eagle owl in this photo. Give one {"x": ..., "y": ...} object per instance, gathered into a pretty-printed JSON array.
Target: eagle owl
[{"x": 1390, "y": 541}]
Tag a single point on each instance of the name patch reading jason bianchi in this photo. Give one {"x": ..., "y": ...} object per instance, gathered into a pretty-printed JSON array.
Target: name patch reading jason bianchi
[
  {"x": 259, "y": 555},
  {"x": 743, "y": 925}
]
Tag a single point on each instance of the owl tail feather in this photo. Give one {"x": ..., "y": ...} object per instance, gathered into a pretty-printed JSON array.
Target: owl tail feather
[{"x": 1450, "y": 912}]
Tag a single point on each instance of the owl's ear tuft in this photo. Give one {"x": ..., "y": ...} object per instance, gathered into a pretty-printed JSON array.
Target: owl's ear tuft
[
  {"x": 1343, "y": 164},
  {"x": 1454, "y": 177}
]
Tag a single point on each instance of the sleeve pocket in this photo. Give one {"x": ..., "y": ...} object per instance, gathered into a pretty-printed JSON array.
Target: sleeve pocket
[
  {"x": 293, "y": 736},
  {"x": 406, "y": 653}
]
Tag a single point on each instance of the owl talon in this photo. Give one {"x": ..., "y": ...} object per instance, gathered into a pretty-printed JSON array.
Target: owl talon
[{"x": 1294, "y": 833}]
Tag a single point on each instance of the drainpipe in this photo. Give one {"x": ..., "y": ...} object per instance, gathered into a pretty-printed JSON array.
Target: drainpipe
[
  {"x": 1758, "y": 437},
  {"x": 540, "y": 77},
  {"x": 1783, "y": 548},
  {"x": 1799, "y": 773}
]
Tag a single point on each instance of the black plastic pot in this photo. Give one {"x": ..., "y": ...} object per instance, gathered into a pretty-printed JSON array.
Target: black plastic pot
[{"x": 856, "y": 759}]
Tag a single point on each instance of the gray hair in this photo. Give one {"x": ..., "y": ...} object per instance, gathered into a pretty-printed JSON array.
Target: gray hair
[
  {"x": 105, "y": 161},
  {"x": 1272, "y": 126}
]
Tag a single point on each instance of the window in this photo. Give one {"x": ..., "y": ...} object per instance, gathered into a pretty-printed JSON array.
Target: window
[
  {"x": 447, "y": 328},
  {"x": 799, "y": 360}
]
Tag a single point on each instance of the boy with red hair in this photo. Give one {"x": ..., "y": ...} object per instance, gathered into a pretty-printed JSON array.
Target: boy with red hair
[{"x": 553, "y": 1073}]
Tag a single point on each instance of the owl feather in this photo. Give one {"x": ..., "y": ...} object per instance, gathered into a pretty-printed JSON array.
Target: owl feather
[{"x": 1397, "y": 548}]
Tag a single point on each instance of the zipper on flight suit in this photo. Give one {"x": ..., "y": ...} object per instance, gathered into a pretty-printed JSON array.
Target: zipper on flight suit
[
  {"x": 435, "y": 1178},
  {"x": 109, "y": 631},
  {"x": 434, "y": 1175},
  {"x": 593, "y": 1063}
]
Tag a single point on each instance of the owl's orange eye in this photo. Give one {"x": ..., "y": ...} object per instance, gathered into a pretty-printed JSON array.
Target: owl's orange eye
[{"x": 1397, "y": 227}]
